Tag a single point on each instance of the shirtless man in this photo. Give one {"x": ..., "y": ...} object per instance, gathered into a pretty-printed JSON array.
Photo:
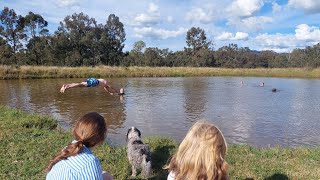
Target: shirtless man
[{"x": 93, "y": 82}]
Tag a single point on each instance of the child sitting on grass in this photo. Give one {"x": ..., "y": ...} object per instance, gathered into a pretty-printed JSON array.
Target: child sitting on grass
[
  {"x": 76, "y": 161},
  {"x": 200, "y": 155}
]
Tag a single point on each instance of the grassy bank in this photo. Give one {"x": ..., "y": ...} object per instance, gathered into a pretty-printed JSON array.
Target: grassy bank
[
  {"x": 23, "y": 72},
  {"x": 29, "y": 141}
]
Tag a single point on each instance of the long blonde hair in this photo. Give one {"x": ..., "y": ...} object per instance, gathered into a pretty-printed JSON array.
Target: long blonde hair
[
  {"x": 89, "y": 131},
  {"x": 201, "y": 154}
]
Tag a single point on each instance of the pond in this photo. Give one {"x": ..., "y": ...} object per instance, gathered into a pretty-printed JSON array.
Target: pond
[{"x": 245, "y": 112}]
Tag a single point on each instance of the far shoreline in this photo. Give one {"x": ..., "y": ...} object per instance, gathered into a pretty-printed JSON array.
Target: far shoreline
[{"x": 47, "y": 72}]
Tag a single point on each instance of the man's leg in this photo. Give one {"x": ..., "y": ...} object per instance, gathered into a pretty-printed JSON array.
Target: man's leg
[{"x": 72, "y": 85}]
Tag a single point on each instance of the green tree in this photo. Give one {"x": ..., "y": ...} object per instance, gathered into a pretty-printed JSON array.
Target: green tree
[
  {"x": 11, "y": 30},
  {"x": 35, "y": 26},
  {"x": 313, "y": 55},
  {"x": 227, "y": 55},
  {"x": 196, "y": 39},
  {"x": 204, "y": 57},
  {"x": 152, "y": 57},
  {"x": 73, "y": 33},
  {"x": 279, "y": 61},
  {"x": 136, "y": 54},
  {"x": 138, "y": 47},
  {"x": 298, "y": 58},
  {"x": 112, "y": 41},
  {"x": 264, "y": 58},
  {"x": 5, "y": 52},
  {"x": 178, "y": 58}
]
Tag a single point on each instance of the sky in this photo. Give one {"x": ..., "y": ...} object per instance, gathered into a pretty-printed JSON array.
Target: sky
[{"x": 278, "y": 25}]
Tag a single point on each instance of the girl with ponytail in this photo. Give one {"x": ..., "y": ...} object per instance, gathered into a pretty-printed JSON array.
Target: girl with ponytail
[{"x": 76, "y": 161}]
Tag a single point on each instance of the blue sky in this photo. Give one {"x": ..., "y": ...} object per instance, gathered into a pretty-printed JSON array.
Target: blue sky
[{"x": 279, "y": 25}]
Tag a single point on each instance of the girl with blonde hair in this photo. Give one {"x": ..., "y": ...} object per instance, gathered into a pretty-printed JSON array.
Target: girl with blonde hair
[
  {"x": 200, "y": 155},
  {"x": 76, "y": 161}
]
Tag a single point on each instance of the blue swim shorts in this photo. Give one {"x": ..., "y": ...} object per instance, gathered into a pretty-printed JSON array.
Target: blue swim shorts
[{"x": 92, "y": 82}]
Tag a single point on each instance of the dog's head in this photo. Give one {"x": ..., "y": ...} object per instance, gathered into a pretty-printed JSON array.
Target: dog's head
[{"x": 133, "y": 134}]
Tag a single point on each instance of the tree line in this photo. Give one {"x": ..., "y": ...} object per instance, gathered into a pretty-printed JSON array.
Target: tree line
[{"x": 80, "y": 41}]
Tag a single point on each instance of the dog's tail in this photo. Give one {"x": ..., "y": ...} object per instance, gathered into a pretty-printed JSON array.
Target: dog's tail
[{"x": 146, "y": 168}]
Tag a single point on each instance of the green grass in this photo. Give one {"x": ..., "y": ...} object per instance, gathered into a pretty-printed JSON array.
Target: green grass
[
  {"x": 24, "y": 72},
  {"x": 29, "y": 141}
]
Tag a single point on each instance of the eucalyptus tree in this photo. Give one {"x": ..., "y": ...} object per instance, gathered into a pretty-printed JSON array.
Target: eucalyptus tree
[
  {"x": 35, "y": 26},
  {"x": 298, "y": 58},
  {"x": 196, "y": 39},
  {"x": 5, "y": 52},
  {"x": 112, "y": 41},
  {"x": 279, "y": 61},
  {"x": 152, "y": 57},
  {"x": 137, "y": 51},
  {"x": 138, "y": 47},
  {"x": 11, "y": 30},
  {"x": 313, "y": 55},
  {"x": 227, "y": 55},
  {"x": 75, "y": 34}
]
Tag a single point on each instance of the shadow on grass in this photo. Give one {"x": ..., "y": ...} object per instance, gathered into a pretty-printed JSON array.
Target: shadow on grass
[
  {"x": 161, "y": 150},
  {"x": 159, "y": 157},
  {"x": 277, "y": 176}
]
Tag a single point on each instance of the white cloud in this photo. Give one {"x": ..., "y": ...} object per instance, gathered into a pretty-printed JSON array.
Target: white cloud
[
  {"x": 198, "y": 14},
  {"x": 309, "y": 6},
  {"x": 170, "y": 19},
  {"x": 304, "y": 36},
  {"x": 156, "y": 33},
  {"x": 225, "y": 36},
  {"x": 67, "y": 3},
  {"x": 146, "y": 19},
  {"x": 250, "y": 23},
  {"x": 153, "y": 8},
  {"x": 307, "y": 33},
  {"x": 278, "y": 50},
  {"x": 276, "y": 7},
  {"x": 244, "y": 8},
  {"x": 241, "y": 36},
  {"x": 277, "y": 40},
  {"x": 152, "y": 17}
]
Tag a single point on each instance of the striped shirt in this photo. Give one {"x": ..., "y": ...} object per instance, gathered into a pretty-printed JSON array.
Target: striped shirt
[{"x": 82, "y": 166}]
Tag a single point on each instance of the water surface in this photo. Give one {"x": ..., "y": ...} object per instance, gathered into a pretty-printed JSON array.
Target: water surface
[{"x": 246, "y": 113}]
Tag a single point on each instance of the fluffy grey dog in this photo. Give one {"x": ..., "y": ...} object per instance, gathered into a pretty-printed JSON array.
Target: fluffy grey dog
[{"x": 138, "y": 153}]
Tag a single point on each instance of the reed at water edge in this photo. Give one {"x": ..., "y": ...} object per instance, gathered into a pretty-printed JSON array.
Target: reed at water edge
[{"x": 26, "y": 72}]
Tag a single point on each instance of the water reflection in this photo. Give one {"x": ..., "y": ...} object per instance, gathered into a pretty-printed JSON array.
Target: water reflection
[
  {"x": 194, "y": 92},
  {"x": 246, "y": 113}
]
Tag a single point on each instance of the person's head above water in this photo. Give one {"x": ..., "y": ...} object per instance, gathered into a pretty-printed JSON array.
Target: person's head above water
[{"x": 121, "y": 91}]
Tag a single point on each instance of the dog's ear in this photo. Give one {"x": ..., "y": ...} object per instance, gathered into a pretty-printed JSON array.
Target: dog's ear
[
  {"x": 128, "y": 134},
  {"x": 139, "y": 133}
]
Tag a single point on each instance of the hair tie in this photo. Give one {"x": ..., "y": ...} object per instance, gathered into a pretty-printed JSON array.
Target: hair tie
[{"x": 80, "y": 142}]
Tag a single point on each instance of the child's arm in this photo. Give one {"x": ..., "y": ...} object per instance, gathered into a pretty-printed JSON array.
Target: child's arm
[
  {"x": 110, "y": 89},
  {"x": 106, "y": 88}
]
